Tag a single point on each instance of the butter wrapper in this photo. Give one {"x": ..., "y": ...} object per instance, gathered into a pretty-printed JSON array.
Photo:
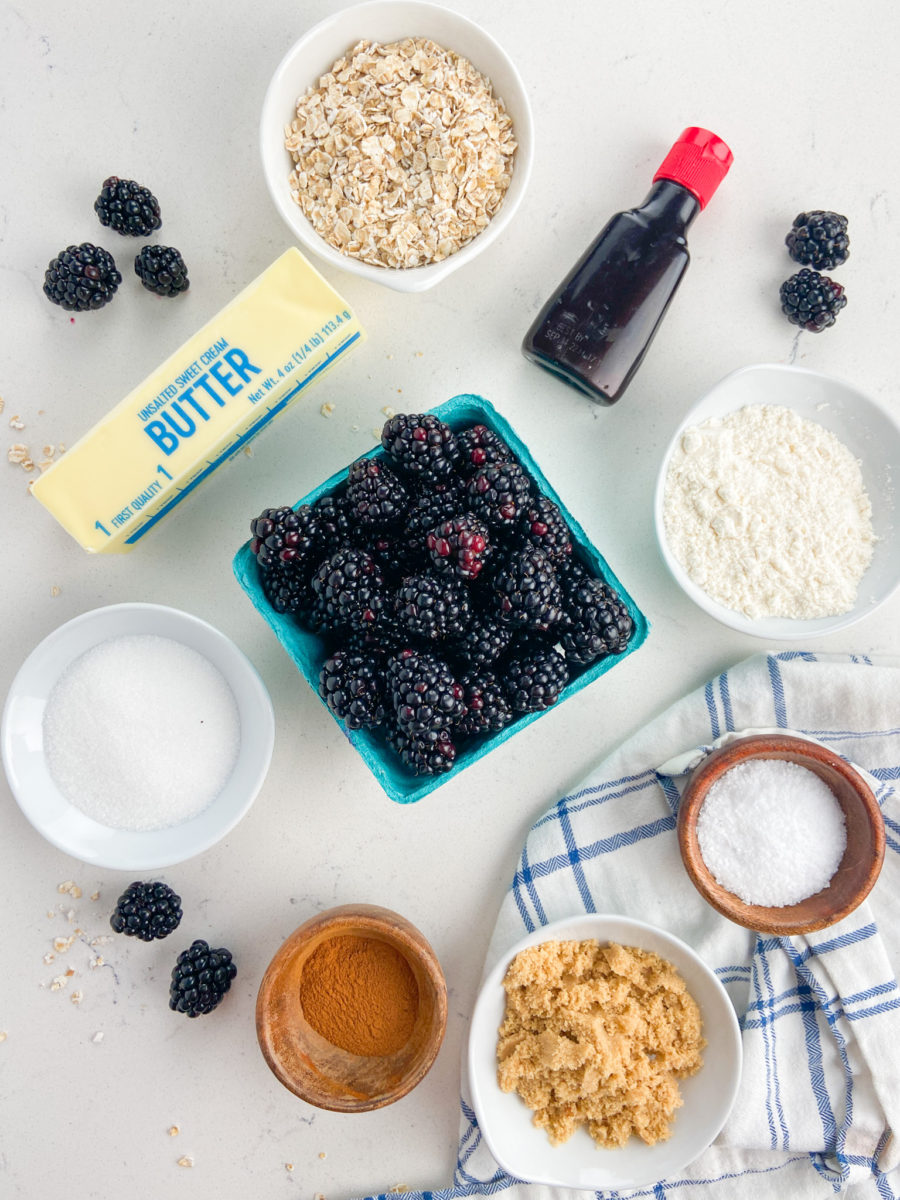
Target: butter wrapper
[{"x": 204, "y": 403}]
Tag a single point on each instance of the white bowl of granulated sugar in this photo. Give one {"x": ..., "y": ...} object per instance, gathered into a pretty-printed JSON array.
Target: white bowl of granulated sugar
[
  {"x": 136, "y": 736},
  {"x": 774, "y": 504}
]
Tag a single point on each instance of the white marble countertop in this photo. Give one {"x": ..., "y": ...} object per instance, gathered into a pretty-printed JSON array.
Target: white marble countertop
[{"x": 169, "y": 94}]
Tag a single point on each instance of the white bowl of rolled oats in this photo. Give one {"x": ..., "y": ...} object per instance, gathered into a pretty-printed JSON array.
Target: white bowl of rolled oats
[{"x": 396, "y": 141}]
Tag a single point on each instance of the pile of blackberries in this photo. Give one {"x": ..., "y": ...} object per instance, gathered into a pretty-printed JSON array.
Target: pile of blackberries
[{"x": 445, "y": 588}]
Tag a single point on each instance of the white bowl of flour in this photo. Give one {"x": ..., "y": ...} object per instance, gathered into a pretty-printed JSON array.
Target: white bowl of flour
[
  {"x": 774, "y": 505},
  {"x": 136, "y": 736}
]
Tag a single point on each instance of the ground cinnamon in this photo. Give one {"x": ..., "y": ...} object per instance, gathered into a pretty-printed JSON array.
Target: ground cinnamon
[{"x": 360, "y": 994}]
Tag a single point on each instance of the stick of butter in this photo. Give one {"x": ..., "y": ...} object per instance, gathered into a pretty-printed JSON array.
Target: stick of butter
[{"x": 204, "y": 403}]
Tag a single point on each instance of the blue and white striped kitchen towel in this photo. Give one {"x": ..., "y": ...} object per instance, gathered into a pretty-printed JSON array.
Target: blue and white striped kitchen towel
[{"x": 820, "y": 1015}]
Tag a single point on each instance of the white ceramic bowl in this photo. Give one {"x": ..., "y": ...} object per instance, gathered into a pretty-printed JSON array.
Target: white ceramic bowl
[
  {"x": 525, "y": 1152},
  {"x": 387, "y": 21},
  {"x": 868, "y": 431},
  {"x": 69, "y": 829}
]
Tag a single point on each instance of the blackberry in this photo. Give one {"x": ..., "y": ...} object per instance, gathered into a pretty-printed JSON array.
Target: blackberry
[
  {"x": 161, "y": 270},
  {"x": 460, "y": 546},
  {"x": 430, "y": 753},
  {"x": 812, "y": 301},
  {"x": 498, "y": 494},
  {"x": 349, "y": 590},
  {"x": 480, "y": 447},
  {"x": 819, "y": 240},
  {"x": 432, "y": 609},
  {"x": 484, "y": 641},
  {"x": 534, "y": 678},
  {"x": 351, "y": 686},
  {"x": 422, "y": 692},
  {"x": 543, "y": 525},
  {"x": 527, "y": 590},
  {"x": 333, "y": 525},
  {"x": 393, "y": 554},
  {"x": 127, "y": 207},
  {"x": 421, "y": 444},
  {"x": 146, "y": 911},
  {"x": 81, "y": 278},
  {"x": 487, "y": 708},
  {"x": 287, "y": 589},
  {"x": 200, "y": 978},
  {"x": 429, "y": 508},
  {"x": 598, "y": 623},
  {"x": 376, "y": 498},
  {"x": 380, "y": 638},
  {"x": 282, "y": 536}
]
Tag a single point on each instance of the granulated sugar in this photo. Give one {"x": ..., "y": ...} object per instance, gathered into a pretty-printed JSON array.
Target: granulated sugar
[
  {"x": 141, "y": 732},
  {"x": 771, "y": 832}
]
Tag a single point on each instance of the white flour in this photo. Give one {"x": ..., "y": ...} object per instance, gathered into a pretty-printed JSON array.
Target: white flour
[{"x": 768, "y": 514}]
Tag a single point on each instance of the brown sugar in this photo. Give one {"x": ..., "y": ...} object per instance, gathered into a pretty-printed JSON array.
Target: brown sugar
[
  {"x": 597, "y": 1036},
  {"x": 360, "y": 994}
]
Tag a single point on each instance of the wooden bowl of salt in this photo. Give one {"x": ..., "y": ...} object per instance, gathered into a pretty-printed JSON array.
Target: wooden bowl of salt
[
  {"x": 352, "y": 1009},
  {"x": 780, "y": 834}
]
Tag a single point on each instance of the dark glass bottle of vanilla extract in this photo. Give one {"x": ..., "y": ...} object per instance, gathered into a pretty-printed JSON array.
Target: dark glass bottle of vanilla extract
[{"x": 595, "y": 329}]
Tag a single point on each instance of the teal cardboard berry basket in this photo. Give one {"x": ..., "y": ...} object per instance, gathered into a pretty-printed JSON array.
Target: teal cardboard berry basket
[{"x": 309, "y": 651}]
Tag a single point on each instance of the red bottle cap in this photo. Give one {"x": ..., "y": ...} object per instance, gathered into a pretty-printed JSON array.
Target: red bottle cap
[{"x": 699, "y": 161}]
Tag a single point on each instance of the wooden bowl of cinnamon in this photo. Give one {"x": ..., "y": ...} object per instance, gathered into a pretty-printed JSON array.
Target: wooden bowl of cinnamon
[{"x": 352, "y": 1009}]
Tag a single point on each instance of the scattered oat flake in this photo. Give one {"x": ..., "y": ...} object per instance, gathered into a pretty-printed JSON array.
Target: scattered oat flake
[
  {"x": 48, "y": 958},
  {"x": 17, "y": 453},
  {"x": 45, "y": 464},
  {"x": 58, "y": 983},
  {"x": 388, "y": 411},
  {"x": 185, "y": 1161},
  {"x": 97, "y": 961},
  {"x": 327, "y": 409},
  {"x": 98, "y": 1037},
  {"x": 63, "y": 888},
  {"x": 16, "y": 422},
  {"x": 173, "y": 1131},
  {"x": 61, "y": 945},
  {"x": 76, "y": 997}
]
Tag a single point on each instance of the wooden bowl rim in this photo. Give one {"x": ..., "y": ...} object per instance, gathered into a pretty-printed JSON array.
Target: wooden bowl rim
[
  {"x": 761, "y": 918},
  {"x": 398, "y": 930}
]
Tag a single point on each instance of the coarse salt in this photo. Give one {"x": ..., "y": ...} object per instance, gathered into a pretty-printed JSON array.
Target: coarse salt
[
  {"x": 771, "y": 832},
  {"x": 141, "y": 732}
]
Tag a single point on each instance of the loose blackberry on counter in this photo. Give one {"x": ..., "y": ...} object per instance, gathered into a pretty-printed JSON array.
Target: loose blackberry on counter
[
  {"x": 819, "y": 240},
  {"x": 81, "y": 278},
  {"x": 498, "y": 494},
  {"x": 376, "y": 499},
  {"x": 421, "y": 444},
  {"x": 597, "y": 622},
  {"x": 534, "y": 677},
  {"x": 543, "y": 525},
  {"x": 481, "y": 447},
  {"x": 432, "y": 609},
  {"x": 147, "y": 911},
  {"x": 423, "y": 693},
  {"x": 431, "y": 753},
  {"x": 128, "y": 208},
  {"x": 161, "y": 270},
  {"x": 349, "y": 591},
  {"x": 811, "y": 300},
  {"x": 487, "y": 708},
  {"x": 527, "y": 590},
  {"x": 200, "y": 978},
  {"x": 460, "y": 547},
  {"x": 351, "y": 686}
]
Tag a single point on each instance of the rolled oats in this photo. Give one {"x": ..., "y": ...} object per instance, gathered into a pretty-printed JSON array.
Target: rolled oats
[{"x": 402, "y": 153}]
